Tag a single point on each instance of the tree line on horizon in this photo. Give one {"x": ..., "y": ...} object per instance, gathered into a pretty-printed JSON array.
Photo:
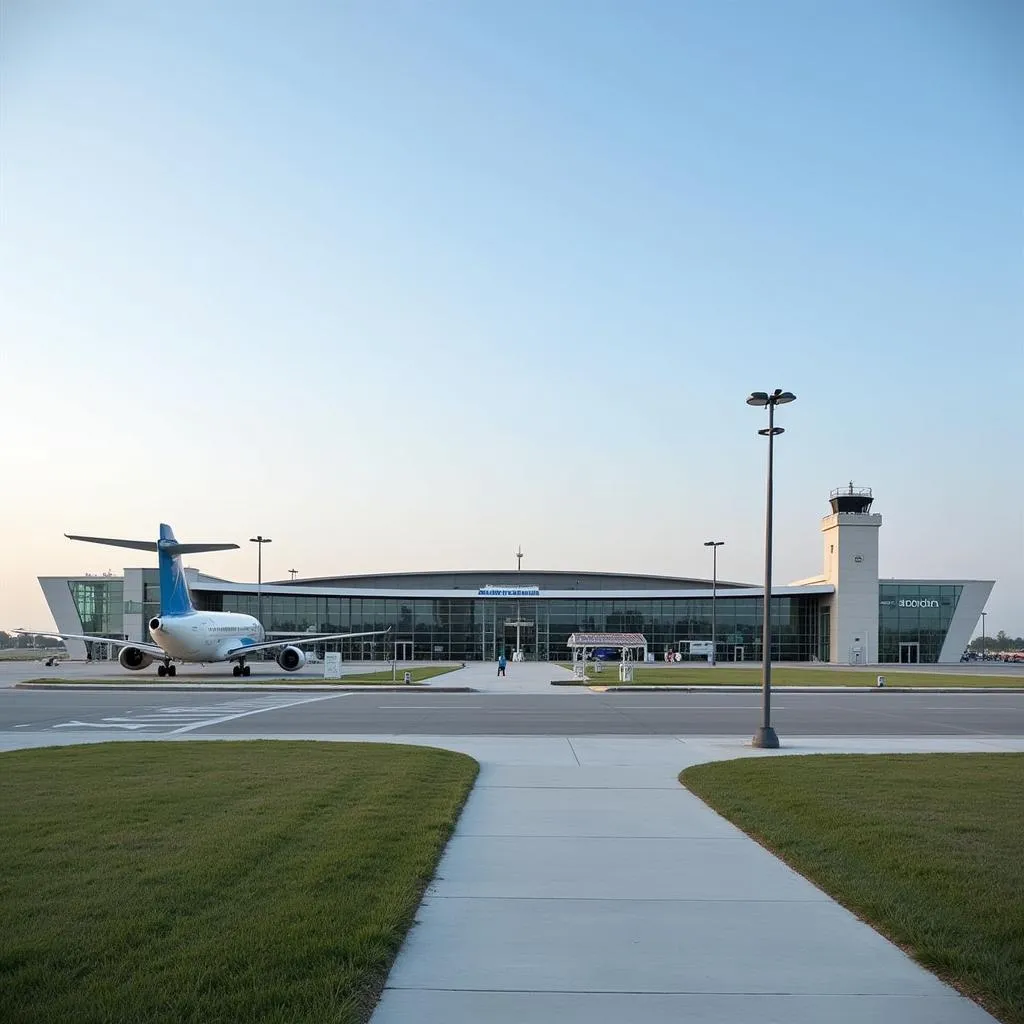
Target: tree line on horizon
[
  {"x": 28, "y": 640},
  {"x": 1000, "y": 642}
]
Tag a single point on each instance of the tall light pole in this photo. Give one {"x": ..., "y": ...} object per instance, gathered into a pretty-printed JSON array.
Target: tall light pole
[
  {"x": 714, "y": 545},
  {"x": 766, "y": 735},
  {"x": 983, "y": 614},
  {"x": 293, "y": 573},
  {"x": 519, "y": 614},
  {"x": 259, "y": 540}
]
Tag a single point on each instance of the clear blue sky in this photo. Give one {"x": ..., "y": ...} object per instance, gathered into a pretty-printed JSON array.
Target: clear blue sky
[{"x": 404, "y": 284}]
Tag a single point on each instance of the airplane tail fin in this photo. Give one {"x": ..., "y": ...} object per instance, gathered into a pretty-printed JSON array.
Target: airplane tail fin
[{"x": 174, "y": 594}]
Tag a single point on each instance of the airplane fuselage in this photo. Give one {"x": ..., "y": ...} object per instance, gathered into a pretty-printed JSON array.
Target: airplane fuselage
[
  {"x": 205, "y": 636},
  {"x": 181, "y": 633}
]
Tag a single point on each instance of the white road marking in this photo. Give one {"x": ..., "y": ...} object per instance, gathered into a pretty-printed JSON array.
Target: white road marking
[
  {"x": 702, "y": 707},
  {"x": 99, "y": 725},
  {"x": 157, "y": 717},
  {"x": 558, "y": 711},
  {"x": 430, "y": 707},
  {"x": 256, "y": 711},
  {"x": 192, "y": 717}
]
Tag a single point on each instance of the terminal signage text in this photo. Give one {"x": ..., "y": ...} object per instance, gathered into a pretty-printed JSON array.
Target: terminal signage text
[
  {"x": 508, "y": 592},
  {"x": 923, "y": 602}
]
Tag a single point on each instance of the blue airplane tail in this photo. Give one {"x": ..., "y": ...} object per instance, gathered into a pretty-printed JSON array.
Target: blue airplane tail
[
  {"x": 175, "y": 598},
  {"x": 174, "y": 594}
]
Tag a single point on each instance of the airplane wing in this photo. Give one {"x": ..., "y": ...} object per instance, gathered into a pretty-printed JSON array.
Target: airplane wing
[
  {"x": 147, "y": 648},
  {"x": 245, "y": 651}
]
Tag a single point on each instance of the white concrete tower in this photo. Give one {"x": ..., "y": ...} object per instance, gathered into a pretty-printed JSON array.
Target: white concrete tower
[{"x": 851, "y": 566}]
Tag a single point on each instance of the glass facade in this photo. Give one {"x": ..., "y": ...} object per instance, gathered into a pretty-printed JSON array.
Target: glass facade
[
  {"x": 100, "y": 605},
  {"x": 913, "y": 619},
  {"x": 477, "y": 628},
  {"x": 150, "y": 596}
]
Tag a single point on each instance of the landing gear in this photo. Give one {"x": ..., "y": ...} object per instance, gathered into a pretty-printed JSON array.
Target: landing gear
[
  {"x": 240, "y": 669},
  {"x": 166, "y": 669}
]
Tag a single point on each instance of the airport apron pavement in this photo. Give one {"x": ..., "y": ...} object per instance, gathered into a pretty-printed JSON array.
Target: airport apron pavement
[{"x": 303, "y": 714}]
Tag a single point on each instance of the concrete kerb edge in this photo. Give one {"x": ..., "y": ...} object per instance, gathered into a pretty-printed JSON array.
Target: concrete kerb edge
[
  {"x": 418, "y": 688},
  {"x": 597, "y": 688}
]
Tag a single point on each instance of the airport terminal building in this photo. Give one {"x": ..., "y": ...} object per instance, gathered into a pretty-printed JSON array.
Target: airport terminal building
[{"x": 847, "y": 615}]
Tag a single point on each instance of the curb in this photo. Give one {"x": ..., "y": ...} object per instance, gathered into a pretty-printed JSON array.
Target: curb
[
  {"x": 268, "y": 688},
  {"x": 598, "y": 688}
]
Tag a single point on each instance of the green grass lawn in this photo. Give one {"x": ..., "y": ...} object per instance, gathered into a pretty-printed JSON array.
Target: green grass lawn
[
  {"x": 205, "y": 882},
  {"x": 929, "y": 849},
  {"x": 727, "y": 675}
]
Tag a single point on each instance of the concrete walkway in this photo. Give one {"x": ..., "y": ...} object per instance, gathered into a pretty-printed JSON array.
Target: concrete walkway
[
  {"x": 584, "y": 884},
  {"x": 520, "y": 677}
]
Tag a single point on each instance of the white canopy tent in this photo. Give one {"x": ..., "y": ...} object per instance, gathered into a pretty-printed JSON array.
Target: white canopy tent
[{"x": 628, "y": 644}]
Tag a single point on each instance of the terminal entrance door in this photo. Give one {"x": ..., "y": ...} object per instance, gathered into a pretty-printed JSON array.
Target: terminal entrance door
[
  {"x": 506, "y": 621},
  {"x": 909, "y": 653},
  {"x": 524, "y": 633},
  {"x": 403, "y": 650}
]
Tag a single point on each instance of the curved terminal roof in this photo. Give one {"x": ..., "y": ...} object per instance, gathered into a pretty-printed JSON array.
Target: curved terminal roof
[{"x": 473, "y": 580}]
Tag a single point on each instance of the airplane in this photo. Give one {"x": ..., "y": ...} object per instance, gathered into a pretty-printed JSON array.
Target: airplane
[{"x": 181, "y": 633}]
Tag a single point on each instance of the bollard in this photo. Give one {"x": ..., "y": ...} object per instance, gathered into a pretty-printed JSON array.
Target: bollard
[
  {"x": 881, "y": 680},
  {"x": 408, "y": 678}
]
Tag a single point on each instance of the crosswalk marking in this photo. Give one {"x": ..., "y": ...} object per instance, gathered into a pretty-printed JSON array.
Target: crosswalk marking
[{"x": 175, "y": 720}]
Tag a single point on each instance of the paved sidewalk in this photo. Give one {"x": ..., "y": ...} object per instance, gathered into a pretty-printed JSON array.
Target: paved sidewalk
[
  {"x": 584, "y": 884},
  {"x": 520, "y": 677}
]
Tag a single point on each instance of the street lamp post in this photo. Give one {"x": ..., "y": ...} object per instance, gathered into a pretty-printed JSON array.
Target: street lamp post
[
  {"x": 766, "y": 735},
  {"x": 983, "y": 614},
  {"x": 259, "y": 540},
  {"x": 714, "y": 545},
  {"x": 519, "y": 616}
]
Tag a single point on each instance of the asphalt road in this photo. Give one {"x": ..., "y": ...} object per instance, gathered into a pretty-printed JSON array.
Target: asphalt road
[{"x": 482, "y": 714}]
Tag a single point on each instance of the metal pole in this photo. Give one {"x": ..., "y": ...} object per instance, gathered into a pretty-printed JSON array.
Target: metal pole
[
  {"x": 259, "y": 540},
  {"x": 714, "y": 595},
  {"x": 766, "y": 736},
  {"x": 983, "y": 614},
  {"x": 519, "y": 569}
]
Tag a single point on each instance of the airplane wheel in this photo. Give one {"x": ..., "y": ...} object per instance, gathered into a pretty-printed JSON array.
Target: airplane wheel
[
  {"x": 172, "y": 670},
  {"x": 236, "y": 670},
  {"x": 161, "y": 670},
  {"x": 246, "y": 671}
]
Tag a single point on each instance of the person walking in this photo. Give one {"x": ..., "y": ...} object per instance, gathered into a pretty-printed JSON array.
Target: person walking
[{"x": 501, "y": 663}]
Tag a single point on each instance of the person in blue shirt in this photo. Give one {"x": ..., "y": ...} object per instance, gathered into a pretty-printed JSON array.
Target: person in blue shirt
[{"x": 501, "y": 663}]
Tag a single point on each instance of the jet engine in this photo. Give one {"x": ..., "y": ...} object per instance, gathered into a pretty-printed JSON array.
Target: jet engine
[
  {"x": 291, "y": 659},
  {"x": 134, "y": 659}
]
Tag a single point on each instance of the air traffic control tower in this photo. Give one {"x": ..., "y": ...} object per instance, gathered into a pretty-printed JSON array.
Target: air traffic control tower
[{"x": 850, "y": 534}]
